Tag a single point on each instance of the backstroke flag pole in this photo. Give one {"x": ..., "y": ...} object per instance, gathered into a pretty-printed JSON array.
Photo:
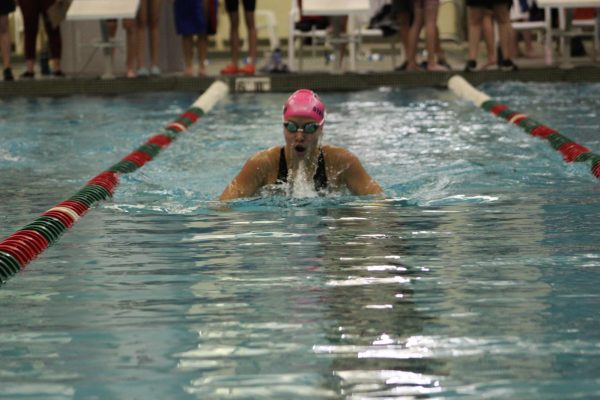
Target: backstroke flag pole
[
  {"x": 20, "y": 248},
  {"x": 571, "y": 151}
]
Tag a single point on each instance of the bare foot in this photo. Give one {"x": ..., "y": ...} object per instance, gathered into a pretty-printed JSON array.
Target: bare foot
[
  {"x": 436, "y": 68},
  {"x": 412, "y": 67},
  {"x": 188, "y": 71},
  {"x": 489, "y": 64},
  {"x": 130, "y": 73}
]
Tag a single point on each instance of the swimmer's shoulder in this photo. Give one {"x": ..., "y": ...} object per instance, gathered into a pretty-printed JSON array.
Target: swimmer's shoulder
[
  {"x": 337, "y": 155},
  {"x": 266, "y": 156},
  {"x": 264, "y": 165}
]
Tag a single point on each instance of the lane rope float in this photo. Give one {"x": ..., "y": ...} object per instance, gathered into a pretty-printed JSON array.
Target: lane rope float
[
  {"x": 571, "y": 151},
  {"x": 20, "y": 248}
]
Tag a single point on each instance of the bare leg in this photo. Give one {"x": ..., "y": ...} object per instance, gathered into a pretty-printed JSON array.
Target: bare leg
[
  {"x": 5, "y": 41},
  {"x": 439, "y": 51},
  {"x": 111, "y": 31},
  {"x": 132, "y": 42},
  {"x": 153, "y": 20},
  {"x": 513, "y": 42},
  {"x": 528, "y": 39},
  {"x": 475, "y": 22},
  {"x": 501, "y": 14},
  {"x": 431, "y": 13},
  {"x": 187, "y": 44},
  {"x": 111, "y": 28},
  {"x": 413, "y": 39},
  {"x": 202, "y": 47},
  {"x": 404, "y": 24},
  {"x": 340, "y": 26},
  {"x": 234, "y": 37},
  {"x": 142, "y": 27},
  {"x": 488, "y": 38},
  {"x": 252, "y": 40}
]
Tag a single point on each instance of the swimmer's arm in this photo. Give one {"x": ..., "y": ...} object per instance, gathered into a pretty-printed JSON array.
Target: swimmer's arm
[
  {"x": 358, "y": 181},
  {"x": 251, "y": 178}
]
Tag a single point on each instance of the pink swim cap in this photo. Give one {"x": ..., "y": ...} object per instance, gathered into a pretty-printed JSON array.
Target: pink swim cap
[{"x": 304, "y": 103}]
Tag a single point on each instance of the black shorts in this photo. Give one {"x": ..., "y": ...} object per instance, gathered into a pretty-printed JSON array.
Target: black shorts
[
  {"x": 488, "y": 3},
  {"x": 399, "y": 6},
  {"x": 7, "y": 6},
  {"x": 232, "y": 5}
]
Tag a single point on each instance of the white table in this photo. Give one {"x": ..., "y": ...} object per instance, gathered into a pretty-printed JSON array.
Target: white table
[
  {"x": 566, "y": 18},
  {"x": 569, "y": 3},
  {"x": 101, "y": 10},
  {"x": 340, "y": 8}
]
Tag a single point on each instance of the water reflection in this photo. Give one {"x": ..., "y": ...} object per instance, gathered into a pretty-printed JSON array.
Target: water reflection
[
  {"x": 370, "y": 299},
  {"x": 307, "y": 302}
]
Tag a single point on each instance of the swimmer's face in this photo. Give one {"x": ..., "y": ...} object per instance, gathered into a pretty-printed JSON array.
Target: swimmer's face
[{"x": 301, "y": 142}]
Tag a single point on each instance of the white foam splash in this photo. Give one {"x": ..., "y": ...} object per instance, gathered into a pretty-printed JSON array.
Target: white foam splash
[{"x": 301, "y": 186}]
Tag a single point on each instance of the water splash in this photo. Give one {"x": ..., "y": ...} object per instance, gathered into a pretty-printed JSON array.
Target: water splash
[{"x": 300, "y": 185}]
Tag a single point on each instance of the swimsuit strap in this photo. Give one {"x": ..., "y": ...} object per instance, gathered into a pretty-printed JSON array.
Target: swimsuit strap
[
  {"x": 320, "y": 178},
  {"x": 282, "y": 173}
]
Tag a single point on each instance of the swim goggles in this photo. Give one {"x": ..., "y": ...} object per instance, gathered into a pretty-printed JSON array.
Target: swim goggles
[{"x": 310, "y": 127}]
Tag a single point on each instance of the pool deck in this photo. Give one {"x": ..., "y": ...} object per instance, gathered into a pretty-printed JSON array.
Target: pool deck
[{"x": 317, "y": 74}]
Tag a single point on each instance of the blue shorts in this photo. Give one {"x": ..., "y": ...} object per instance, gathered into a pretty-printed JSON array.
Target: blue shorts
[{"x": 192, "y": 18}]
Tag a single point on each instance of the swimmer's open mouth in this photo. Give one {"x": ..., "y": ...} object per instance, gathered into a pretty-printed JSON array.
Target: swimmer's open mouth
[{"x": 299, "y": 148}]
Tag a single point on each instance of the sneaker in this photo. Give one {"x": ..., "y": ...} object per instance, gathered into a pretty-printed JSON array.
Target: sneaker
[
  {"x": 444, "y": 64},
  {"x": 247, "y": 69},
  {"x": 27, "y": 75},
  {"x": 155, "y": 71},
  {"x": 471, "y": 66},
  {"x": 508, "y": 65},
  {"x": 401, "y": 67},
  {"x": 230, "y": 69},
  {"x": 142, "y": 72},
  {"x": 275, "y": 64},
  {"x": 8, "y": 75}
]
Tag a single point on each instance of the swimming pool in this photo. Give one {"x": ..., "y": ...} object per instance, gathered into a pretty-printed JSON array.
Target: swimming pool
[{"x": 476, "y": 278}]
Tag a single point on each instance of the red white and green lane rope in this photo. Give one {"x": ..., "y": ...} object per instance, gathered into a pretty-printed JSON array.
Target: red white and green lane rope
[
  {"x": 20, "y": 248},
  {"x": 571, "y": 151}
]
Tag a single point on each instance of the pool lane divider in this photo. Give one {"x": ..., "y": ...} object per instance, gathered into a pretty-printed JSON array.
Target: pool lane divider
[
  {"x": 20, "y": 248},
  {"x": 571, "y": 151}
]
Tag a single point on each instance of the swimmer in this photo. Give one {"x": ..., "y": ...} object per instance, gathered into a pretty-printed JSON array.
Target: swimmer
[{"x": 331, "y": 168}]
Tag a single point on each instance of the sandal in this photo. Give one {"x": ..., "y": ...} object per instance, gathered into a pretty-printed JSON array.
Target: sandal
[
  {"x": 8, "y": 75},
  {"x": 28, "y": 75},
  {"x": 230, "y": 69}
]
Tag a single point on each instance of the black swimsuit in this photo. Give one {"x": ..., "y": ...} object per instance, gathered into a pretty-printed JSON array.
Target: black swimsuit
[{"x": 320, "y": 177}]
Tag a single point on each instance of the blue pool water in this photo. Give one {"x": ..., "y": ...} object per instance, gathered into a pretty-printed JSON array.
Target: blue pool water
[{"x": 477, "y": 276}]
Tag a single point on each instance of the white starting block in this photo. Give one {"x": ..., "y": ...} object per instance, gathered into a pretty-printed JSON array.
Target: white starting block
[{"x": 102, "y": 10}]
